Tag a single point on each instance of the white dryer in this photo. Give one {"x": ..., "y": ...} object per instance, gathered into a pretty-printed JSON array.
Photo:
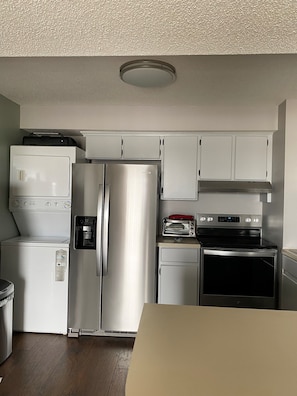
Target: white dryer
[{"x": 40, "y": 188}]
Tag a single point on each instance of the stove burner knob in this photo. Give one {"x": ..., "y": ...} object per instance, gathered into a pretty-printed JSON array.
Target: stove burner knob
[
  {"x": 202, "y": 218},
  {"x": 209, "y": 219},
  {"x": 248, "y": 220}
]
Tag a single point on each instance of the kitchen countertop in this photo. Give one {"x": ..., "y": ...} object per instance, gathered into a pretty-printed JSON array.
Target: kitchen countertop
[
  {"x": 292, "y": 253},
  {"x": 210, "y": 351},
  {"x": 177, "y": 242}
]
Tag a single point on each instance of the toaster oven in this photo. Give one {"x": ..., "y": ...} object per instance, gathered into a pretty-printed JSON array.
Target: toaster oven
[{"x": 178, "y": 228}]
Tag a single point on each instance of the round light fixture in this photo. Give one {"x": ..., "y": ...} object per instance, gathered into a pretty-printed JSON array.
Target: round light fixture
[{"x": 147, "y": 73}]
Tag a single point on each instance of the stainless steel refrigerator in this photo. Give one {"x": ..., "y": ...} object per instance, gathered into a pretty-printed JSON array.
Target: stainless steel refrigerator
[{"x": 113, "y": 246}]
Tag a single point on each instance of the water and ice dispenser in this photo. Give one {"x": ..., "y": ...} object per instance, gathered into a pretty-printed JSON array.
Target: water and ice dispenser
[{"x": 85, "y": 232}]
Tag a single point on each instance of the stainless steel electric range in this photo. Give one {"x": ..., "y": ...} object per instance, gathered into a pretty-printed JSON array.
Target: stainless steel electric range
[{"x": 238, "y": 267}]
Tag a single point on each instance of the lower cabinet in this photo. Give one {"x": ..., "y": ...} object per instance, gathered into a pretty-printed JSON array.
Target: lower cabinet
[
  {"x": 178, "y": 276},
  {"x": 288, "y": 296}
]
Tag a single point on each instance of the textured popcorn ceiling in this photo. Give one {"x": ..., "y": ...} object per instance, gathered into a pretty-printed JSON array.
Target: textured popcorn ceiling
[
  {"x": 152, "y": 27},
  {"x": 70, "y": 51}
]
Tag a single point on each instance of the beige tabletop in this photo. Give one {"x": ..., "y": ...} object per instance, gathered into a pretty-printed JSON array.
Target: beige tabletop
[{"x": 211, "y": 351}]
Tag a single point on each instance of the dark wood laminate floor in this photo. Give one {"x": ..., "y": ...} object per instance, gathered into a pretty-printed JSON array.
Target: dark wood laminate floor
[{"x": 54, "y": 365}]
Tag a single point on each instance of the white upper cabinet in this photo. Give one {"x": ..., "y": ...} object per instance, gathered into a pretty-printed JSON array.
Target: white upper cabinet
[
  {"x": 141, "y": 147},
  {"x": 216, "y": 157},
  {"x": 233, "y": 157},
  {"x": 251, "y": 154},
  {"x": 179, "y": 168},
  {"x": 103, "y": 146},
  {"x": 115, "y": 146},
  {"x": 213, "y": 156}
]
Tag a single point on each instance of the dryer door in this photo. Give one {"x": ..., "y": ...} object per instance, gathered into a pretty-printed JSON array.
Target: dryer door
[{"x": 40, "y": 176}]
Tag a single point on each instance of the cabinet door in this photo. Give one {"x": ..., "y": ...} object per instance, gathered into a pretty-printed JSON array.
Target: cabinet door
[
  {"x": 104, "y": 147},
  {"x": 141, "y": 147},
  {"x": 178, "y": 284},
  {"x": 288, "y": 297},
  {"x": 251, "y": 158},
  {"x": 288, "y": 292},
  {"x": 179, "y": 168},
  {"x": 178, "y": 255},
  {"x": 216, "y": 157}
]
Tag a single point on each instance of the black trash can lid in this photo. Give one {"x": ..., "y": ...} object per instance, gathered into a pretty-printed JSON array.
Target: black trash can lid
[{"x": 6, "y": 288}]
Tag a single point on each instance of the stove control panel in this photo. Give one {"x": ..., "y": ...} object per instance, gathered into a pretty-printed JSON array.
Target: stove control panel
[{"x": 228, "y": 220}]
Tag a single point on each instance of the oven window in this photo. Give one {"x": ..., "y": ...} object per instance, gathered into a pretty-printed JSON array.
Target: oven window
[{"x": 238, "y": 276}]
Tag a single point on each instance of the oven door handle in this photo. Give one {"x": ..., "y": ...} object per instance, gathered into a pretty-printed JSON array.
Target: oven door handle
[{"x": 240, "y": 253}]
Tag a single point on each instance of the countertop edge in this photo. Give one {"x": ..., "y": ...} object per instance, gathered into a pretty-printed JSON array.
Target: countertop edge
[
  {"x": 181, "y": 243},
  {"x": 292, "y": 253}
]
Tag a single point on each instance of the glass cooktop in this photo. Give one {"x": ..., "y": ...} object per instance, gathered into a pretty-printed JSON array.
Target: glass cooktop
[{"x": 233, "y": 238}]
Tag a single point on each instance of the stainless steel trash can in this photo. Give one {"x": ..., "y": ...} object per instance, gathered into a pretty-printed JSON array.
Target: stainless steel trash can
[{"x": 6, "y": 309}]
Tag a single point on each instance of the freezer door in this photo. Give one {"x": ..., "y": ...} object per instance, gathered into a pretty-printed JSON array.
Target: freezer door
[
  {"x": 85, "y": 284},
  {"x": 129, "y": 278}
]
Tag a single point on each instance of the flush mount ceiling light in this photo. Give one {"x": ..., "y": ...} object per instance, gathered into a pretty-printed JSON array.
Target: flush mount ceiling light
[{"x": 147, "y": 73}]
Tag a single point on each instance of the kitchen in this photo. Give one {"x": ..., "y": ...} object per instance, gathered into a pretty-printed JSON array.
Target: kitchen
[
  {"x": 278, "y": 216},
  {"x": 245, "y": 197},
  {"x": 41, "y": 195}
]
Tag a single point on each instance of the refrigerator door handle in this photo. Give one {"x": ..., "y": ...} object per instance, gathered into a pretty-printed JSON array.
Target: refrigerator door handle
[
  {"x": 98, "y": 231},
  {"x": 105, "y": 230}
]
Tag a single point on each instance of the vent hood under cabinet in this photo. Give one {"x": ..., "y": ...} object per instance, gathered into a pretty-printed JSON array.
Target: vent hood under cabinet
[{"x": 235, "y": 186}]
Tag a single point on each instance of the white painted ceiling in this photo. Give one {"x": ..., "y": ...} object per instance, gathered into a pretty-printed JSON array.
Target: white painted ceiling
[{"x": 224, "y": 51}]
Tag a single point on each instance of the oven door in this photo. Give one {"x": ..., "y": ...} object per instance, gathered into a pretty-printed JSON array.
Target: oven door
[{"x": 238, "y": 277}]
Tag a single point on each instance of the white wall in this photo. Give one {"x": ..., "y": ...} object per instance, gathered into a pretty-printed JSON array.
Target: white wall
[
  {"x": 134, "y": 118},
  {"x": 273, "y": 212},
  {"x": 281, "y": 213},
  {"x": 290, "y": 181},
  {"x": 150, "y": 118},
  {"x": 214, "y": 203},
  {"x": 280, "y": 216},
  {"x": 9, "y": 134}
]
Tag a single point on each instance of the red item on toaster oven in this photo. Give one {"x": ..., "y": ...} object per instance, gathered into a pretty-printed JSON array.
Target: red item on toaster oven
[{"x": 180, "y": 217}]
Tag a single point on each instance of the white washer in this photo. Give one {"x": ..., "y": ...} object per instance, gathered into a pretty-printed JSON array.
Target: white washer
[{"x": 38, "y": 267}]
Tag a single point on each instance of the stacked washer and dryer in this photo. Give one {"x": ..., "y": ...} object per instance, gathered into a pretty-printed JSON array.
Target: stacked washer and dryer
[{"x": 37, "y": 261}]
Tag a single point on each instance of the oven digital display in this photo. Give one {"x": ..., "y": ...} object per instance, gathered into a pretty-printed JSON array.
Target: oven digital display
[{"x": 229, "y": 219}]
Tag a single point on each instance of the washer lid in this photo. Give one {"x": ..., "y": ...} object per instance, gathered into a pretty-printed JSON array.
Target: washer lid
[{"x": 37, "y": 241}]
